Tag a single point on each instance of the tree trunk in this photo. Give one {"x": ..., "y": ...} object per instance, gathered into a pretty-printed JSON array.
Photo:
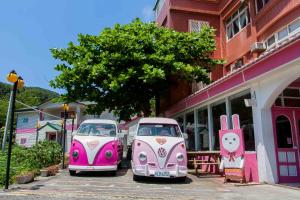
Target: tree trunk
[{"x": 157, "y": 105}]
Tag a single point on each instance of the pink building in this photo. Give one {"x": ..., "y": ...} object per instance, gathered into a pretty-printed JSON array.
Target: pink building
[{"x": 260, "y": 40}]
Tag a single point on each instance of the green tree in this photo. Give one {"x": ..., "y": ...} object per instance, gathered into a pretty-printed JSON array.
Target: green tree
[
  {"x": 125, "y": 67},
  {"x": 32, "y": 96}
]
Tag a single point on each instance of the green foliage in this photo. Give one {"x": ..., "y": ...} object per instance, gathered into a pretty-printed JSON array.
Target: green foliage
[
  {"x": 30, "y": 95},
  {"x": 126, "y": 66},
  {"x": 32, "y": 159}
]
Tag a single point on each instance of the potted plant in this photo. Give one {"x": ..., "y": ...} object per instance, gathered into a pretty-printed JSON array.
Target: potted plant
[
  {"x": 25, "y": 177},
  {"x": 44, "y": 172},
  {"x": 53, "y": 170}
]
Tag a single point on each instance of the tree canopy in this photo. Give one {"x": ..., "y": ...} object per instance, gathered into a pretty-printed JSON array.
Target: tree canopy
[
  {"x": 30, "y": 95},
  {"x": 125, "y": 67}
]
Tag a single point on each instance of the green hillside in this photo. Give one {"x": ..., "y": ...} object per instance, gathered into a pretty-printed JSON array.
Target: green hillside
[{"x": 30, "y": 95}]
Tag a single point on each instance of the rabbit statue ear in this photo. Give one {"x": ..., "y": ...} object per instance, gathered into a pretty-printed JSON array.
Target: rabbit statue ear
[
  {"x": 224, "y": 125},
  {"x": 235, "y": 121}
]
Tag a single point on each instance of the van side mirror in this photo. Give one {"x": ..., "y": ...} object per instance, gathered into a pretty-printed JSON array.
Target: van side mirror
[{"x": 185, "y": 136}]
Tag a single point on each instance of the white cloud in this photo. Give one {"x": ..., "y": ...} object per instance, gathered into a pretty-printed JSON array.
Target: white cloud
[{"x": 148, "y": 13}]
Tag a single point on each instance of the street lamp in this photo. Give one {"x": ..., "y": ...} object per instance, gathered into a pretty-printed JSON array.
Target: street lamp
[
  {"x": 18, "y": 82},
  {"x": 37, "y": 133},
  {"x": 66, "y": 109}
]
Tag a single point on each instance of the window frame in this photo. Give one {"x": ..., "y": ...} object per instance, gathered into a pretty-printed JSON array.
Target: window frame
[
  {"x": 199, "y": 22},
  {"x": 158, "y": 8},
  {"x": 264, "y": 4},
  {"x": 229, "y": 22},
  {"x": 276, "y": 34}
]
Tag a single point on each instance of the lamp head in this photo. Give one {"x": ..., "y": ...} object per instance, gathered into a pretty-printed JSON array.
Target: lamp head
[
  {"x": 12, "y": 76},
  {"x": 20, "y": 82},
  {"x": 66, "y": 107}
]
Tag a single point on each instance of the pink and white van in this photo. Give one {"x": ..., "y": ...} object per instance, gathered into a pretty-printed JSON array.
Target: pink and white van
[
  {"x": 95, "y": 147},
  {"x": 158, "y": 149}
]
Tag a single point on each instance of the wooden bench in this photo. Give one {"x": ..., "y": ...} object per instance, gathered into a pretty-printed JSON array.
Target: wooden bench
[{"x": 197, "y": 161}]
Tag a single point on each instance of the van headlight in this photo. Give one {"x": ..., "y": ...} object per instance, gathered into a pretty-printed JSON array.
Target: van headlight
[
  {"x": 180, "y": 157},
  {"x": 108, "y": 154},
  {"x": 75, "y": 154},
  {"x": 143, "y": 156}
]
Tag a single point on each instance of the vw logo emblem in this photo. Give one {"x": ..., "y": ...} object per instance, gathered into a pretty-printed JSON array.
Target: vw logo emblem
[{"x": 162, "y": 152}]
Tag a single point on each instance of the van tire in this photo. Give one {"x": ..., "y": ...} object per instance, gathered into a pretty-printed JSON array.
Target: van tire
[
  {"x": 137, "y": 178},
  {"x": 72, "y": 172},
  {"x": 181, "y": 179}
]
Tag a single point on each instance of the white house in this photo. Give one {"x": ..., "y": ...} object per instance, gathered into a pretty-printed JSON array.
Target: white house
[{"x": 45, "y": 121}]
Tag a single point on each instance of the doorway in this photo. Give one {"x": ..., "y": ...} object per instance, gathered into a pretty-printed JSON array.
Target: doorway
[{"x": 286, "y": 123}]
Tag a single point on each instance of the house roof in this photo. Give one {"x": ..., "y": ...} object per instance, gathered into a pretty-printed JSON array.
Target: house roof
[{"x": 56, "y": 127}]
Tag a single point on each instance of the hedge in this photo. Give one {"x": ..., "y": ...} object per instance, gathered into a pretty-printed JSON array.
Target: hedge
[{"x": 32, "y": 159}]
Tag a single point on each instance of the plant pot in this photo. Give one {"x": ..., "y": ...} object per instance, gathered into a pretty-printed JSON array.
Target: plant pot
[
  {"x": 52, "y": 170},
  {"x": 44, "y": 172},
  {"x": 25, "y": 178}
]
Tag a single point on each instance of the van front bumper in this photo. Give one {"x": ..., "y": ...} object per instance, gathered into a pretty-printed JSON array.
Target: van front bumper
[
  {"x": 144, "y": 170},
  {"x": 93, "y": 168}
]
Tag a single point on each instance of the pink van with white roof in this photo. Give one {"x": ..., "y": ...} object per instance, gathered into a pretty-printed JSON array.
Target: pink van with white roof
[
  {"x": 95, "y": 147},
  {"x": 158, "y": 149}
]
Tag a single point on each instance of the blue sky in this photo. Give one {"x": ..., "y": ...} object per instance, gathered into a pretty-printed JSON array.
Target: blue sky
[{"x": 29, "y": 28}]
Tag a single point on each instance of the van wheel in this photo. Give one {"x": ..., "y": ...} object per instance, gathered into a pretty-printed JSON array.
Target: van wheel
[
  {"x": 120, "y": 165},
  {"x": 72, "y": 172},
  {"x": 181, "y": 179},
  {"x": 113, "y": 173},
  {"x": 137, "y": 178}
]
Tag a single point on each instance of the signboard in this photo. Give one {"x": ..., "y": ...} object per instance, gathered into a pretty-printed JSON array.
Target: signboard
[{"x": 232, "y": 149}]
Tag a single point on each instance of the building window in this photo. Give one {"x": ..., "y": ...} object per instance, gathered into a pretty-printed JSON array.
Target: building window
[
  {"x": 25, "y": 120},
  {"x": 285, "y": 32},
  {"x": 196, "y": 25},
  {"x": 190, "y": 130},
  {"x": 246, "y": 119},
  {"x": 260, "y": 4},
  {"x": 290, "y": 97},
  {"x": 237, "y": 21},
  {"x": 294, "y": 26},
  {"x": 203, "y": 130},
  {"x": 23, "y": 140},
  {"x": 180, "y": 122},
  {"x": 217, "y": 111},
  {"x": 284, "y": 132},
  {"x": 158, "y": 7}
]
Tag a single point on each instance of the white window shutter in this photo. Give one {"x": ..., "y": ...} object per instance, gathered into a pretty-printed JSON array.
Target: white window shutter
[{"x": 195, "y": 25}]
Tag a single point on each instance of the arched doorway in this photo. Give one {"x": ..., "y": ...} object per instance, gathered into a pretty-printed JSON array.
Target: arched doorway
[{"x": 286, "y": 126}]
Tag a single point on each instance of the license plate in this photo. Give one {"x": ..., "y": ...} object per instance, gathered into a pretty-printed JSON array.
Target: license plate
[
  {"x": 90, "y": 167},
  {"x": 161, "y": 174}
]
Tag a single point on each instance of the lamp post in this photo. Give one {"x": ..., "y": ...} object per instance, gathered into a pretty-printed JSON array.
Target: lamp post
[
  {"x": 73, "y": 119},
  {"x": 37, "y": 133},
  {"x": 66, "y": 109},
  {"x": 17, "y": 83}
]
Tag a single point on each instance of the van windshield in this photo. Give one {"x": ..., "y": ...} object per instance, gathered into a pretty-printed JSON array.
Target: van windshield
[
  {"x": 93, "y": 129},
  {"x": 168, "y": 130}
]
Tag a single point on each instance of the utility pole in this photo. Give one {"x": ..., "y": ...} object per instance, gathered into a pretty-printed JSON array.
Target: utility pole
[
  {"x": 66, "y": 109},
  {"x": 7, "y": 122},
  {"x": 18, "y": 83}
]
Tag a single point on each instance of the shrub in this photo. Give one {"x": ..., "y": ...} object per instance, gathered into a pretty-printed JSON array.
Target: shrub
[{"x": 32, "y": 159}]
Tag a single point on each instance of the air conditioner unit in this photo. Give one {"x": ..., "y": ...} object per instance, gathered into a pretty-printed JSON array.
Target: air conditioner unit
[{"x": 258, "y": 47}]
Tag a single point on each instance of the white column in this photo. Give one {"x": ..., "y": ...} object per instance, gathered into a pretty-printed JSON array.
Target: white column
[
  {"x": 264, "y": 140},
  {"x": 210, "y": 127},
  {"x": 197, "y": 143},
  {"x": 228, "y": 112}
]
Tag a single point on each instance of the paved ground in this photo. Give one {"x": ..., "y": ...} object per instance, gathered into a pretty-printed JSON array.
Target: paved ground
[{"x": 103, "y": 186}]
